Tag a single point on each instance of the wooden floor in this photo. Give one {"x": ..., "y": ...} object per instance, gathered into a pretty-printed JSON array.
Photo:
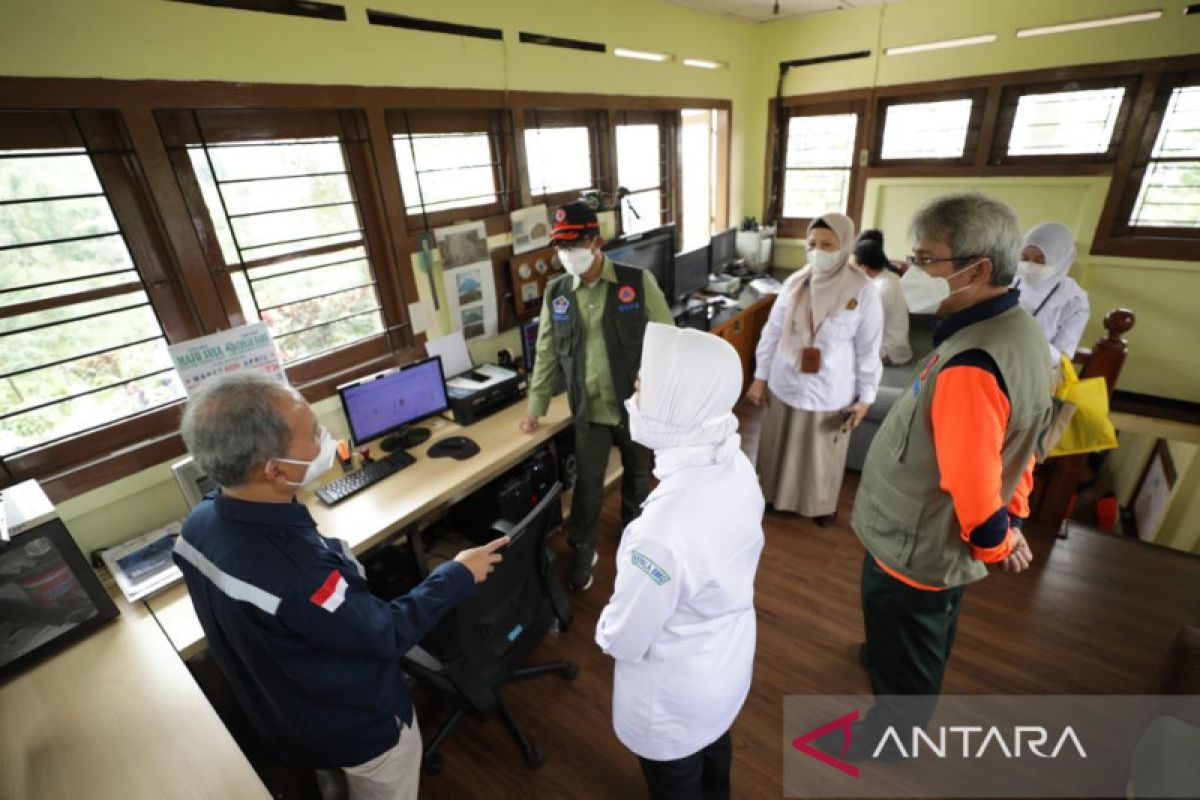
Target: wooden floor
[{"x": 1095, "y": 614}]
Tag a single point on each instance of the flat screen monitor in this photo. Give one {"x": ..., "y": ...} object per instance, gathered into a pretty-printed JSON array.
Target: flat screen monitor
[
  {"x": 691, "y": 272},
  {"x": 389, "y": 401},
  {"x": 724, "y": 249},
  {"x": 652, "y": 250}
]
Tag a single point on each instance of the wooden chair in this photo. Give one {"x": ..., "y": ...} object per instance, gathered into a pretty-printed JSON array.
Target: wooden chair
[{"x": 1055, "y": 481}]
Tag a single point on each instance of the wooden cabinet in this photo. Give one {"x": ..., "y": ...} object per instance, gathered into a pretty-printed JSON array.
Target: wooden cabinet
[{"x": 741, "y": 329}]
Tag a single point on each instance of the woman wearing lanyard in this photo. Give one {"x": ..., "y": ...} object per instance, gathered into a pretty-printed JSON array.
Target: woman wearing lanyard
[
  {"x": 817, "y": 369},
  {"x": 680, "y": 623},
  {"x": 1058, "y": 304}
]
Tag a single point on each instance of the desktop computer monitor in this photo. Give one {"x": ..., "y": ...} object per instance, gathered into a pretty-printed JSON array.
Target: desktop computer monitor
[
  {"x": 652, "y": 250},
  {"x": 724, "y": 249},
  {"x": 691, "y": 272},
  {"x": 389, "y": 402}
]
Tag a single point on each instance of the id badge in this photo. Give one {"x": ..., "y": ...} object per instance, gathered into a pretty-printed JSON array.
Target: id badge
[{"x": 810, "y": 360}]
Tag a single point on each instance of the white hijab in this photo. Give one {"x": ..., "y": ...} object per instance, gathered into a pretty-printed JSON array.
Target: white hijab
[
  {"x": 1057, "y": 243},
  {"x": 689, "y": 383}
]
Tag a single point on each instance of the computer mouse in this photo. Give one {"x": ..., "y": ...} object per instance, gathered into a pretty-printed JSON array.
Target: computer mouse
[{"x": 456, "y": 447}]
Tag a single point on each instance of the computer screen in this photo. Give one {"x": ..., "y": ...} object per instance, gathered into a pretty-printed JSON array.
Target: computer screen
[
  {"x": 653, "y": 251},
  {"x": 691, "y": 272},
  {"x": 724, "y": 249},
  {"x": 387, "y": 401}
]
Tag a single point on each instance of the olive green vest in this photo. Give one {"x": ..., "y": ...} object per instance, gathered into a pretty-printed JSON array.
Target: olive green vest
[
  {"x": 623, "y": 325},
  {"x": 901, "y": 514}
]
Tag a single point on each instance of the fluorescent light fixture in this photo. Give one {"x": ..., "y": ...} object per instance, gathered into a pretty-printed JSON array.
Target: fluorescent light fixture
[
  {"x": 704, "y": 63},
  {"x": 1085, "y": 24},
  {"x": 945, "y": 44},
  {"x": 644, "y": 55}
]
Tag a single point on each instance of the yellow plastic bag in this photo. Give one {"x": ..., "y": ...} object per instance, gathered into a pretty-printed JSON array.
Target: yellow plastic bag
[{"x": 1085, "y": 404}]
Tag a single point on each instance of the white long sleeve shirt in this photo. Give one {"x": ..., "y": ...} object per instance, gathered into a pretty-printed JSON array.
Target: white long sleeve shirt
[
  {"x": 849, "y": 340},
  {"x": 680, "y": 623},
  {"x": 1061, "y": 314},
  {"x": 896, "y": 348}
]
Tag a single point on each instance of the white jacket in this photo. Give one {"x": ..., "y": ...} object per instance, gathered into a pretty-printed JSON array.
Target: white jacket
[
  {"x": 849, "y": 341},
  {"x": 680, "y": 623},
  {"x": 1061, "y": 309}
]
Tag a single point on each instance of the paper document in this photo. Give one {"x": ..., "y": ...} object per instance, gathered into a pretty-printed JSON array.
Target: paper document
[{"x": 453, "y": 350}]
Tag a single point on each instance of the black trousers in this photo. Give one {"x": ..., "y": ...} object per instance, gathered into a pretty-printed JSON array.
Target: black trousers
[
  {"x": 592, "y": 445},
  {"x": 909, "y": 636},
  {"x": 701, "y": 776}
]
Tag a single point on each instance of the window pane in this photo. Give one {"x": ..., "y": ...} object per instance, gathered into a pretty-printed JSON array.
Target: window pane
[
  {"x": 309, "y": 262},
  {"x": 808, "y": 193},
  {"x": 46, "y": 220},
  {"x": 1065, "y": 122},
  {"x": 213, "y": 201},
  {"x": 280, "y": 193},
  {"x": 822, "y": 141},
  {"x": 1169, "y": 196},
  {"x": 455, "y": 170},
  {"x": 271, "y": 292},
  {"x": 1180, "y": 133},
  {"x": 559, "y": 159},
  {"x": 34, "y": 177},
  {"x": 638, "y": 157},
  {"x": 282, "y": 226},
  {"x": 276, "y": 159},
  {"x": 649, "y": 212},
  {"x": 270, "y": 251},
  {"x": 67, "y": 355},
  {"x": 926, "y": 130},
  {"x": 317, "y": 340},
  {"x": 25, "y": 266}
]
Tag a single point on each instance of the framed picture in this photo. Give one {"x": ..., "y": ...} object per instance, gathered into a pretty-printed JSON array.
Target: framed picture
[
  {"x": 1150, "y": 498},
  {"x": 49, "y": 596}
]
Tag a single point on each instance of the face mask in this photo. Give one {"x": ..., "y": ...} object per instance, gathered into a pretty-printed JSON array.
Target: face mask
[
  {"x": 822, "y": 260},
  {"x": 319, "y": 465},
  {"x": 577, "y": 260},
  {"x": 923, "y": 293},
  {"x": 1034, "y": 272}
]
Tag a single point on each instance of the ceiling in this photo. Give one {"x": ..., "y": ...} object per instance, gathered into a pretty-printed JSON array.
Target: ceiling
[{"x": 763, "y": 10}]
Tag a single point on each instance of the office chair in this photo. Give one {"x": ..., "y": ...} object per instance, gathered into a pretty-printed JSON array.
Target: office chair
[{"x": 482, "y": 644}]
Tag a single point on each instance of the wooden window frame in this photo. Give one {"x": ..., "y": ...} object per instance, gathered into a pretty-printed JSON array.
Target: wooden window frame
[
  {"x": 978, "y": 98},
  {"x": 497, "y": 124},
  {"x": 601, "y": 149},
  {"x": 668, "y": 160},
  {"x": 817, "y": 106},
  {"x": 1011, "y": 96},
  {"x": 1120, "y": 238}
]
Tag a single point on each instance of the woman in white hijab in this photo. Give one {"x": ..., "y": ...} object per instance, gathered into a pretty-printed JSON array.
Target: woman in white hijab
[
  {"x": 680, "y": 623},
  {"x": 817, "y": 369},
  {"x": 1055, "y": 300}
]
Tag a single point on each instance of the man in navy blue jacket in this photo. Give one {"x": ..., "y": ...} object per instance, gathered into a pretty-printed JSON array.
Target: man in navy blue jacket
[{"x": 312, "y": 656}]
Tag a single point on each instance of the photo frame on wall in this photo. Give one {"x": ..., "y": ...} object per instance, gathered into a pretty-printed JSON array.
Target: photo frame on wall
[{"x": 1153, "y": 491}]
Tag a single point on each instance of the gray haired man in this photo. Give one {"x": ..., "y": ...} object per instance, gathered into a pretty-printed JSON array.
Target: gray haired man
[
  {"x": 312, "y": 656},
  {"x": 946, "y": 482}
]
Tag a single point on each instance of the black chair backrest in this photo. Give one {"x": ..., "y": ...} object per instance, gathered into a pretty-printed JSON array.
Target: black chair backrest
[{"x": 492, "y": 634}]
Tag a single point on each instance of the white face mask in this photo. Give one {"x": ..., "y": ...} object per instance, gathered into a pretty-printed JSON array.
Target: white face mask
[
  {"x": 319, "y": 465},
  {"x": 923, "y": 293},
  {"x": 822, "y": 260},
  {"x": 577, "y": 260},
  {"x": 1034, "y": 272}
]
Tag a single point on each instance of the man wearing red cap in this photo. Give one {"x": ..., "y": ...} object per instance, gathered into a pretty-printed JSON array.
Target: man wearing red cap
[{"x": 590, "y": 334}]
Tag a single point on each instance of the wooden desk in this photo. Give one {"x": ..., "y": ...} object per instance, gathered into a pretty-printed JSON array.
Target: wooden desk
[
  {"x": 377, "y": 513},
  {"x": 117, "y": 715}
]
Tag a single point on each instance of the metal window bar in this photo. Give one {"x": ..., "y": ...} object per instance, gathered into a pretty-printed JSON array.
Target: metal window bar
[
  {"x": 265, "y": 245},
  {"x": 300, "y": 270},
  {"x": 80, "y": 357},
  {"x": 245, "y": 214},
  {"x": 316, "y": 325},
  {"x": 51, "y": 198},
  {"x": 322, "y": 296},
  {"x": 31, "y": 286},
  {"x": 76, "y": 396},
  {"x": 82, "y": 318},
  {"x": 66, "y": 300},
  {"x": 227, "y": 181},
  {"x": 64, "y": 240},
  {"x": 412, "y": 151},
  {"x": 311, "y": 252}
]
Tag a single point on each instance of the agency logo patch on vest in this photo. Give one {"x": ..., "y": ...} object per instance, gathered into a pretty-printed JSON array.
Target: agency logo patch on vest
[
  {"x": 916, "y": 387},
  {"x": 627, "y": 295},
  {"x": 559, "y": 308},
  {"x": 656, "y": 573}
]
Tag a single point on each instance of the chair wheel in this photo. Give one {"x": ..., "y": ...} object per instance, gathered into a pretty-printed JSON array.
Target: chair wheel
[
  {"x": 535, "y": 757},
  {"x": 432, "y": 763},
  {"x": 570, "y": 672}
]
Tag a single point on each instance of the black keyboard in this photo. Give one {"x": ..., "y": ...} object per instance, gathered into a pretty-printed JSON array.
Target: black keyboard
[{"x": 367, "y": 475}]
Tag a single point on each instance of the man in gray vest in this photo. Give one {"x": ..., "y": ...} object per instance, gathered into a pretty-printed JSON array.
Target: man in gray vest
[
  {"x": 590, "y": 333},
  {"x": 946, "y": 482}
]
